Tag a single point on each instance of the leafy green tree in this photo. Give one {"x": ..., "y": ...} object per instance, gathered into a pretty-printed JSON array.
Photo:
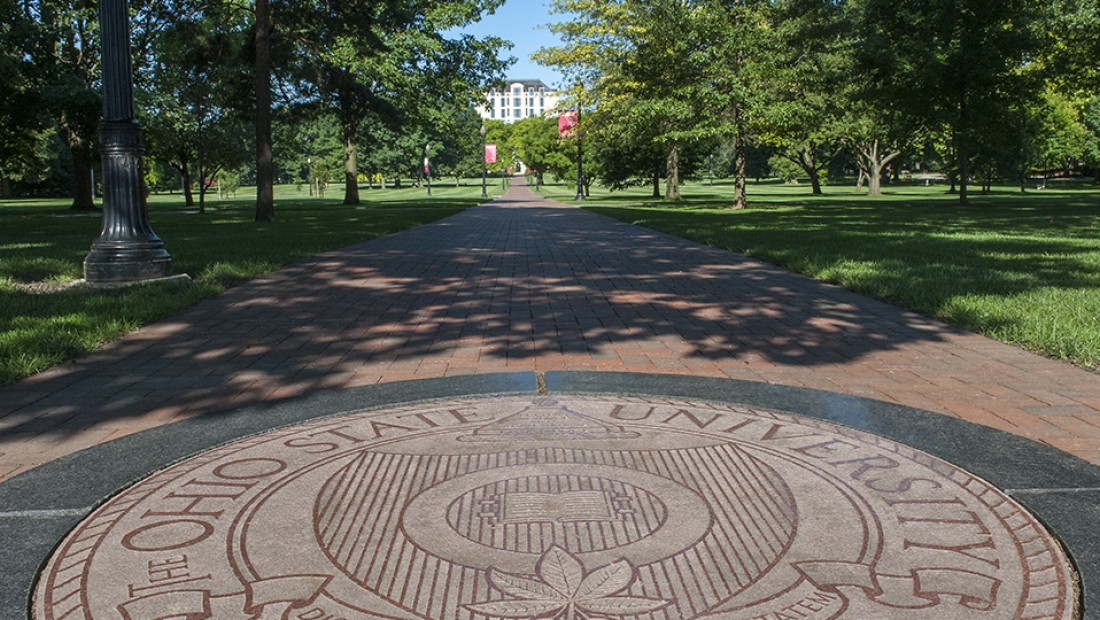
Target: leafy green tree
[
  {"x": 23, "y": 126},
  {"x": 67, "y": 56},
  {"x": 737, "y": 50},
  {"x": 388, "y": 62},
  {"x": 188, "y": 92},
  {"x": 1091, "y": 119},
  {"x": 876, "y": 137},
  {"x": 1061, "y": 137},
  {"x": 307, "y": 136},
  {"x": 950, "y": 63},
  {"x": 639, "y": 71},
  {"x": 539, "y": 147},
  {"x": 1070, "y": 46},
  {"x": 808, "y": 88},
  {"x": 457, "y": 136}
]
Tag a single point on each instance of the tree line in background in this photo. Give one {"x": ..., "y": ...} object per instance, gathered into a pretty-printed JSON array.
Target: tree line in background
[
  {"x": 236, "y": 91},
  {"x": 977, "y": 90}
]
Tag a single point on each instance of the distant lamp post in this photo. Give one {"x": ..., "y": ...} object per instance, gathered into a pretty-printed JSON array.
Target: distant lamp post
[
  {"x": 127, "y": 250},
  {"x": 580, "y": 151},
  {"x": 428, "y": 167},
  {"x": 484, "y": 163}
]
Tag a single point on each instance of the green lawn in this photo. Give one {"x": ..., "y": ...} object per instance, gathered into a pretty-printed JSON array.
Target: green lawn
[
  {"x": 1021, "y": 268},
  {"x": 43, "y": 245}
]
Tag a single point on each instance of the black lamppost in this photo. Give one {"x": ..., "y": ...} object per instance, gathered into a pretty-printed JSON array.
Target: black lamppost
[
  {"x": 484, "y": 163},
  {"x": 580, "y": 158},
  {"x": 127, "y": 249}
]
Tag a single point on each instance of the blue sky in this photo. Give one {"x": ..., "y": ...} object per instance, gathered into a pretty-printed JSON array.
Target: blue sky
[{"x": 524, "y": 23}]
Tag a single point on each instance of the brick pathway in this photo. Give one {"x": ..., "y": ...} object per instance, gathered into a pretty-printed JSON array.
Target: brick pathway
[{"x": 525, "y": 284}]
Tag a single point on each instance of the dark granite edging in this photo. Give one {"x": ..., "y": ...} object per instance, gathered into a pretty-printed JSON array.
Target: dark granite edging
[{"x": 39, "y": 507}]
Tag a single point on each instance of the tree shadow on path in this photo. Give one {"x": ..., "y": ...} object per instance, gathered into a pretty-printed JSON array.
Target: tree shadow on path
[{"x": 501, "y": 285}]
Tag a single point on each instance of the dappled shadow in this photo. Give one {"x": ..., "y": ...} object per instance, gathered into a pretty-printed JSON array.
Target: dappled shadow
[
  {"x": 921, "y": 257},
  {"x": 505, "y": 284}
]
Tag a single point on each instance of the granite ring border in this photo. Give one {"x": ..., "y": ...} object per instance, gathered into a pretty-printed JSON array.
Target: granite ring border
[{"x": 38, "y": 508}]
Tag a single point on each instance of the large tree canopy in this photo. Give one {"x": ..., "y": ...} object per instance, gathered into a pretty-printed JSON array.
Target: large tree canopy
[
  {"x": 387, "y": 62},
  {"x": 951, "y": 63}
]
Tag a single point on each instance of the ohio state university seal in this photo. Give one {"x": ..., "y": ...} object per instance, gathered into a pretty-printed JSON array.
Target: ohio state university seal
[{"x": 573, "y": 507}]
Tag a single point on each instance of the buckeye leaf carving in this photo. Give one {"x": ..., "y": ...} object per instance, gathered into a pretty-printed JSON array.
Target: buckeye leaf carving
[
  {"x": 610, "y": 579},
  {"x": 565, "y": 592},
  {"x": 521, "y": 587},
  {"x": 560, "y": 570}
]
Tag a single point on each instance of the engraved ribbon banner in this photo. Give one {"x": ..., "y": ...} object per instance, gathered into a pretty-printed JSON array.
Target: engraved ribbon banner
[{"x": 267, "y": 599}]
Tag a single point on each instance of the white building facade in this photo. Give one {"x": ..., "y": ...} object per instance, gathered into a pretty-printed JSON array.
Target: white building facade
[{"x": 520, "y": 99}]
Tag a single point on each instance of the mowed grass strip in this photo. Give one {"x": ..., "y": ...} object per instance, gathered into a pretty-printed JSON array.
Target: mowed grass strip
[
  {"x": 1021, "y": 268},
  {"x": 44, "y": 321}
]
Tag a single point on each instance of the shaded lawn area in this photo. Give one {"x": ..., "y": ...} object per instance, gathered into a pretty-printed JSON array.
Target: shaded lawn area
[
  {"x": 1020, "y": 268},
  {"x": 44, "y": 321}
]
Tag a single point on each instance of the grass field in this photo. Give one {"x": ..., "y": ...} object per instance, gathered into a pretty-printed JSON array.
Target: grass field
[
  {"x": 1021, "y": 268},
  {"x": 43, "y": 245}
]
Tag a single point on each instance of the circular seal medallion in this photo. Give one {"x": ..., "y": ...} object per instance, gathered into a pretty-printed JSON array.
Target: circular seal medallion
[{"x": 574, "y": 507}]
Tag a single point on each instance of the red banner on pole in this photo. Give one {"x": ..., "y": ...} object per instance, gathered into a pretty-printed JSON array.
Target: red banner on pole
[
  {"x": 490, "y": 153},
  {"x": 567, "y": 124}
]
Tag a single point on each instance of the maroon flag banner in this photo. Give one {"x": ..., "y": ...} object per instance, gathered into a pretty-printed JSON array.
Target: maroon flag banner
[{"x": 567, "y": 124}]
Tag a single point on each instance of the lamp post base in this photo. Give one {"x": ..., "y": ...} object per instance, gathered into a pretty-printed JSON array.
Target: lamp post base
[
  {"x": 127, "y": 249},
  {"x": 127, "y": 261}
]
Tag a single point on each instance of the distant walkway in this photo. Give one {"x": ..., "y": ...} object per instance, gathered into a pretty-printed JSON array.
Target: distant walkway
[{"x": 526, "y": 284}]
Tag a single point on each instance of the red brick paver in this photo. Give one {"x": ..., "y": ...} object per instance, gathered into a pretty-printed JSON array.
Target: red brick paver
[{"x": 522, "y": 284}]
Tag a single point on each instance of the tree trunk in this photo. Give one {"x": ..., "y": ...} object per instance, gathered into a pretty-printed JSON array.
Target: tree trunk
[
  {"x": 202, "y": 175},
  {"x": 265, "y": 164},
  {"x": 185, "y": 177},
  {"x": 656, "y": 181},
  {"x": 740, "y": 173},
  {"x": 83, "y": 190},
  {"x": 808, "y": 163},
  {"x": 5, "y": 187},
  {"x": 872, "y": 161},
  {"x": 672, "y": 173},
  {"x": 351, "y": 167},
  {"x": 962, "y": 148},
  {"x": 874, "y": 181}
]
